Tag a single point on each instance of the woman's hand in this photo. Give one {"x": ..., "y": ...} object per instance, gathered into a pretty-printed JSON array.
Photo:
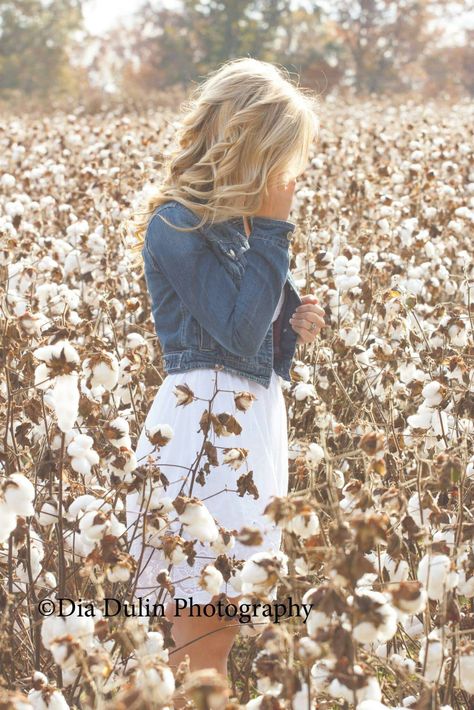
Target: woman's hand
[{"x": 305, "y": 315}]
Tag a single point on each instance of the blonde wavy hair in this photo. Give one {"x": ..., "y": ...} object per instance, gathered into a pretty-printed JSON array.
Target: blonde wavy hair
[{"x": 248, "y": 125}]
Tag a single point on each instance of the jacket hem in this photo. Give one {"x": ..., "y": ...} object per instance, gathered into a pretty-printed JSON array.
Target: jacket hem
[{"x": 178, "y": 362}]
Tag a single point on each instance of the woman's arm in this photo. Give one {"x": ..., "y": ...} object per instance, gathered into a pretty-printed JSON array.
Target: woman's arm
[{"x": 238, "y": 317}]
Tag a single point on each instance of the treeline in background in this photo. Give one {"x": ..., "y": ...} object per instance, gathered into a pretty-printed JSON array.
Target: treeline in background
[{"x": 423, "y": 47}]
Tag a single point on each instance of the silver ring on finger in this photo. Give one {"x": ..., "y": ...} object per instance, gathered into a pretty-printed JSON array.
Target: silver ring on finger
[{"x": 312, "y": 327}]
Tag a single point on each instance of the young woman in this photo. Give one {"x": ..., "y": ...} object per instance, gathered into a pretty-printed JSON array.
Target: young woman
[{"x": 215, "y": 244}]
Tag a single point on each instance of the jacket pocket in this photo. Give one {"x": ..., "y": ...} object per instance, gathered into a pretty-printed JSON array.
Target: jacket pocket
[{"x": 206, "y": 341}]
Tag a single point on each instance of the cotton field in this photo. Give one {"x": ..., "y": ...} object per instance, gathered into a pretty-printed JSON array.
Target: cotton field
[{"x": 379, "y": 523}]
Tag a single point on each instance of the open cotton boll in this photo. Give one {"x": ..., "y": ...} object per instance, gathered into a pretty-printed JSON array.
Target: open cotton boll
[
  {"x": 7, "y": 521},
  {"x": 223, "y": 543},
  {"x": 65, "y": 400},
  {"x": 464, "y": 671},
  {"x": 432, "y": 393},
  {"x": 303, "y": 390},
  {"x": 43, "y": 696},
  {"x": 375, "y": 620},
  {"x": 79, "y": 505},
  {"x": 83, "y": 456},
  {"x": 314, "y": 454},
  {"x": 304, "y": 525},
  {"x": 48, "y": 514},
  {"x": 197, "y": 520},
  {"x": 93, "y": 525},
  {"x": 398, "y": 570},
  {"x": 409, "y": 597},
  {"x": 372, "y": 705},
  {"x": 321, "y": 672},
  {"x": 370, "y": 691},
  {"x": 302, "y": 371},
  {"x": 261, "y": 572},
  {"x": 211, "y": 580},
  {"x": 160, "y": 434},
  {"x": 432, "y": 656},
  {"x": 117, "y": 432},
  {"x": 159, "y": 682},
  {"x": 434, "y": 572},
  {"x": 19, "y": 494},
  {"x": 153, "y": 647},
  {"x": 102, "y": 369}
]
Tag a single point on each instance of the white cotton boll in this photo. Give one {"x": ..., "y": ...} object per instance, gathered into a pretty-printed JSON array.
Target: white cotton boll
[
  {"x": 434, "y": 572},
  {"x": 118, "y": 573},
  {"x": 117, "y": 433},
  {"x": 308, "y": 649},
  {"x": 102, "y": 370},
  {"x": 448, "y": 536},
  {"x": 235, "y": 580},
  {"x": 350, "y": 336},
  {"x": 153, "y": 646},
  {"x": 116, "y": 527},
  {"x": 304, "y": 525},
  {"x": 93, "y": 525},
  {"x": 48, "y": 701},
  {"x": 269, "y": 686},
  {"x": 159, "y": 680},
  {"x": 83, "y": 456},
  {"x": 398, "y": 570},
  {"x": 48, "y": 514},
  {"x": 78, "y": 506},
  {"x": 314, "y": 454},
  {"x": 260, "y": 573},
  {"x": 372, "y": 705},
  {"x": 302, "y": 371},
  {"x": 320, "y": 674},
  {"x": 19, "y": 494},
  {"x": 414, "y": 510},
  {"x": 211, "y": 580},
  {"x": 42, "y": 376},
  {"x": 382, "y": 625},
  {"x": 465, "y": 672},
  {"x": 432, "y": 656},
  {"x": 401, "y": 663},
  {"x": 422, "y": 419},
  {"x": 7, "y": 181},
  {"x": 52, "y": 627},
  {"x": 65, "y": 400},
  {"x": 7, "y": 522},
  {"x": 198, "y": 522},
  {"x": 431, "y": 393},
  {"x": 440, "y": 423},
  {"x": 370, "y": 691},
  {"x": 223, "y": 544},
  {"x": 81, "y": 628},
  {"x": 303, "y": 390},
  {"x": 316, "y": 620}
]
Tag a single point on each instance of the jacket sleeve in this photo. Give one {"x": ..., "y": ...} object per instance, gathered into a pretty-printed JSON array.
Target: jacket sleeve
[{"x": 238, "y": 317}]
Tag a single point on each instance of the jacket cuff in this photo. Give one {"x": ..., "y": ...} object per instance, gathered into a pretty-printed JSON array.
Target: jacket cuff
[{"x": 269, "y": 228}]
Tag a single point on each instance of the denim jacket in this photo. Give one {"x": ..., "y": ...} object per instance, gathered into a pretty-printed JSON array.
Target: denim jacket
[{"x": 214, "y": 292}]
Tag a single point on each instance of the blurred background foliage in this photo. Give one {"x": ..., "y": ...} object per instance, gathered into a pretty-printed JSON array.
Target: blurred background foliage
[{"x": 48, "y": 55}]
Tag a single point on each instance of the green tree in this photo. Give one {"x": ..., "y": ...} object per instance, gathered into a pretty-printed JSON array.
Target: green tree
[{"x": 34, "y": 42}]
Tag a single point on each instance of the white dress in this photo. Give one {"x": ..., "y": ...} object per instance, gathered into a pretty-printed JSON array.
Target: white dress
[{"x": 264, "y": 433}]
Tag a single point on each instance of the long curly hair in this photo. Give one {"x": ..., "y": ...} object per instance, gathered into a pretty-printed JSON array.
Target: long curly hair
[{"x": 247, "y": 126}]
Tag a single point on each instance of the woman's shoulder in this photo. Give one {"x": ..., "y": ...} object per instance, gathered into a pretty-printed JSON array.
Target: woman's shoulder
[{"x": 176, "y": 212}]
